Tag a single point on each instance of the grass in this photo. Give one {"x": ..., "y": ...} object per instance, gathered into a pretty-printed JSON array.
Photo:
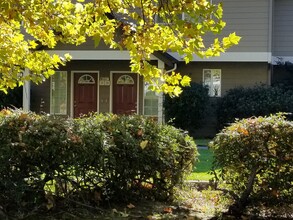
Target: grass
[
  {"x": 204, "y": 165},
  {"x": 202, "y": 142}
]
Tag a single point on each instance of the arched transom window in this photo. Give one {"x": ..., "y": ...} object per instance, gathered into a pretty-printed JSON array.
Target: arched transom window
[
  {"x": 86, "y": 79},
  {"x": 125, "y": 79}
]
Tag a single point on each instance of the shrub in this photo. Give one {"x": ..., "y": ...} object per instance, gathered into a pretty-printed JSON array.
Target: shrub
[
  {"x": 256, "y": 101},
  {"x": 188, "y": 109},
  {"x": 35, "y": 150},
  {"x": 255, "y": 157},
  {"x": 140, "y": 157},
  {"x": 47, "y": 159}
]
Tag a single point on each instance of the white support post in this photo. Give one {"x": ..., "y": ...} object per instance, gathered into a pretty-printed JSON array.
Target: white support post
[
  {"x": 161, "y": 66},
  {"x": 26, "y": 96}
]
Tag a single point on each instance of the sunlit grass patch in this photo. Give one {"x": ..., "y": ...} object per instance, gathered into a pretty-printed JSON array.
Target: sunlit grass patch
[{"x": 203, "y": 166}]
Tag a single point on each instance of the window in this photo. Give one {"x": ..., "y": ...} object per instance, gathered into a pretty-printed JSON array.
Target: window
[
  {"x": 212, "y": 79},
  {"x": 125, "y": 80},
  {"x": 86, "y": 79},
  {"x": 151, "y": 100},
  {"x": 58, "y": 103}
]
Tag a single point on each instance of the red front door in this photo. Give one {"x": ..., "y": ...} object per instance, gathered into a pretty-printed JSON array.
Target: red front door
[
  {"x": 85, "y": 93},
  {"x": 124, "y": 93}
]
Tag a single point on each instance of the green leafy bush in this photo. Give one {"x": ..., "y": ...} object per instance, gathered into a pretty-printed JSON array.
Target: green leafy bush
[
  {"x": 35, "y": 150},
  {"x": 187, "y": 110},
  {"x": 140, "y": 157},
  {"x": 256, "y": 101},
  {"x": 255, "y": 156},
  {"x": 47, "y": 159}
]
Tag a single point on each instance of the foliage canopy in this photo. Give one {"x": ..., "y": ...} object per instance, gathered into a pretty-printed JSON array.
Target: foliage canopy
[{"x": 29, "y": 27}]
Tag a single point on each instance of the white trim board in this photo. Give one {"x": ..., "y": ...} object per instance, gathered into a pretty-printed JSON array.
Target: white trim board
[
  {"x": 232, "y": 57},
  {"x": 124, "y": 55},
  {"x": 96, "y": 54}
]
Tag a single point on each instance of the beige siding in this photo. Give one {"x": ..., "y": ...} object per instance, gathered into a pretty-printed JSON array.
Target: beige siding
[
  {"x": 283, "y": 28},
  {"x": 232, "y": 74},
  {"x": 88, "y": 45},
  {"x": 250, "y": 20}
]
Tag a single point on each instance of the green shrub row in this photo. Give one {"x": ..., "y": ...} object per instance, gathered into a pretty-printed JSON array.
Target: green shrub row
[
  {"x": 255, "y": 101},
  {"x": 255, "y": 156},
  {"x": 46, "y": 159},
  {"x": 187, "y": 110}
]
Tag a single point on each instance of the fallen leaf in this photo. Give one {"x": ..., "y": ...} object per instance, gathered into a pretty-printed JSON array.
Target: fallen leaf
[
  {"x": 168, "y": 210},
  {"x": 130, "y": 206},
  {"x": 139, "y": 132}
]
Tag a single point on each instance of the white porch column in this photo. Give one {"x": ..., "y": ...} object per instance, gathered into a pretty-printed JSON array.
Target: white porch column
[
  {"x": 26, "y": 96},
  {"x": 161, "y": 66}
]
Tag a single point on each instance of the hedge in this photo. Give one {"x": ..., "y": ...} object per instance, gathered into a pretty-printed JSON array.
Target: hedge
[
  {"x": 46, "y": 159},
  {"x": 259, "y": 100},
  {"x": 255, "y": 156},
  {"x": 187, "y": 110}
]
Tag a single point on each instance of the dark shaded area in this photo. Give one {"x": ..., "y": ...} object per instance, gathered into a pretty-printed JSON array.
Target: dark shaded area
[
  {"x": 12, "y": 99},
  {"x": 282, "y": 75},
  {"x": 188, "y": 110}
]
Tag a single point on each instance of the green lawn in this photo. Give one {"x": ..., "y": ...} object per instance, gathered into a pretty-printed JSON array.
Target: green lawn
[
  {"x": 202, "y": 142},
  {"x": 203, "y": 166}
]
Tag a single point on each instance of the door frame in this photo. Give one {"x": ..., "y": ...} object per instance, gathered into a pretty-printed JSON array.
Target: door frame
[
  {"x": 112, "y": 85},
  {"x": 72, "y": 89}
]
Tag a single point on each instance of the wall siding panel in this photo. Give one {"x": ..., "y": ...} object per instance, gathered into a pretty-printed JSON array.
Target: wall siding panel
[
  {"x": 250, "y": 20},
  {"x": 283, "y": 28},
  {"x": 233, "y": 74}
]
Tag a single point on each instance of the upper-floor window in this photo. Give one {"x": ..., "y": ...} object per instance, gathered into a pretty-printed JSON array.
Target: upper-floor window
[
  {"x": 58, "y": 100},
  {"x": 212, "y": 79}
]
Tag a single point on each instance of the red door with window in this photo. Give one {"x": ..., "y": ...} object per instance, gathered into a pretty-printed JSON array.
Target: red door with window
[
  {"x": 85, "y": 93},
  {"x": 124, "y": 93}
]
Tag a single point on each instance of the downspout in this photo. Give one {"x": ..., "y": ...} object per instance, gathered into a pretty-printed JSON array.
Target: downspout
[
  {"x": 26, "y": 97},
  {"x": 173, "y": 69},
  {"x": 270, "y": 43}
]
